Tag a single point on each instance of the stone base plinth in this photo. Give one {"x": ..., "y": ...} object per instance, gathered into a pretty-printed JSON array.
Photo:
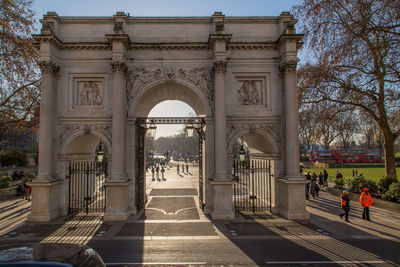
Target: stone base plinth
[
  {"x": 46, "y": 201},
  {"x": 117, "y": 200},
  {"x": 292, "y": 204},
  {"x": 222, "y": 200}
]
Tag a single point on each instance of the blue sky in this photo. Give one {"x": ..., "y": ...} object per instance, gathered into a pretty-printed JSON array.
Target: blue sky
[{"x": 163, "y": 8}]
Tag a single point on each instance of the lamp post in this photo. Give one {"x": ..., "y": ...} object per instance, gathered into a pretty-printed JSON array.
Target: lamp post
[
  {"x": 242, "y": 153},
  {"x": 153, "y": 129},
  {"x": 190, "y": 129},
  {"x": 100, "y": 153}
]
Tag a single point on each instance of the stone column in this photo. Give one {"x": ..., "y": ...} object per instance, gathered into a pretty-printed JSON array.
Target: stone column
[
  {"x": 221, "y": 156},
  {"x": 46, "y": 189},
  {"x": 291, "y": 187},
  {"x": 46, "y": 127},
  {"x": 118, "y": 171},
  {"x": 291, "y": 120},
  {"x": 117, "y": 184}
]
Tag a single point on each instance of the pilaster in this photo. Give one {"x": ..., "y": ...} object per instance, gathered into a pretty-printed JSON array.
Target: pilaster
[
  {"x": 222, "y": 184},
  {"x": 291, "y": 185},
  {"x": 117, "y": 207}
]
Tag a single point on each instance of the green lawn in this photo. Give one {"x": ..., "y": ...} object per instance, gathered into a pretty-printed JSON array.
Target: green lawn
[{"x": 370, "y": 173}]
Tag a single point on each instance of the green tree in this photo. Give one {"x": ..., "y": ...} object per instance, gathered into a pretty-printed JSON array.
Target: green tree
[
  {"x": 356, "y": 61},
  {"x": 19, "y": 72},
  {"x": 13, "y": 158}
]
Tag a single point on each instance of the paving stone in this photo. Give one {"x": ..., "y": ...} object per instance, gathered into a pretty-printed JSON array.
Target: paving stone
[
  {"x": 174, "y": 192},
  {"x": 168, "y": 229}
]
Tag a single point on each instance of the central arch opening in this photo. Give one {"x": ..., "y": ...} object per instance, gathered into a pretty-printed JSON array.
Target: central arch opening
[{"x": 172, "y": 156}]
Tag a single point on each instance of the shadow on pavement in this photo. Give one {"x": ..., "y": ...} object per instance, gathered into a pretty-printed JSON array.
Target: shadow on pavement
[{"x": 305, "y": 243}]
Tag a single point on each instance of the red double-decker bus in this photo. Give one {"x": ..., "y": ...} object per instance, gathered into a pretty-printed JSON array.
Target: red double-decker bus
[{"x": 347, "y": 156}]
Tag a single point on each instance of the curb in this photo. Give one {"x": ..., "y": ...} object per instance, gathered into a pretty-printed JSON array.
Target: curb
[{"x": 379, "y": 203}]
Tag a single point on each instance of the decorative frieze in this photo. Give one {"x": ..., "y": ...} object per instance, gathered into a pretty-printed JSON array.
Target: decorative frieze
[
  {"x": 272, "y": 130},
  {"x": 200, "y": 77},
  {"x": 67, "y": 130}
]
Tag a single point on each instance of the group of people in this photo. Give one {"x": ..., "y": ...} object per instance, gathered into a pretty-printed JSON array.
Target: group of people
[
  {"x": 183, "y": 168},
  {"x": 155, "y": 172},
  {"x": 365, "y": 200},
  {"x": 315, "y": 183},
  {"x": 25, "y": 191}
]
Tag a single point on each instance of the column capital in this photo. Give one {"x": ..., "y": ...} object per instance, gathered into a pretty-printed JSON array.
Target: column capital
[
  {"x": 288, "y": 66},
  {"x": 118, "y": 66},
  {"x": 220, "y": 66},
  {"x": 48, "y": 67}
]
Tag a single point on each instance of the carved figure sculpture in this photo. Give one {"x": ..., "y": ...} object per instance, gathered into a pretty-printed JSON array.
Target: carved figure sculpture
[
  {"x": 96, "y": 94},
  {"x": 90, "y": 94},
  {"x": 248, "y": 93},
  {"x": 85, "y": 96}
]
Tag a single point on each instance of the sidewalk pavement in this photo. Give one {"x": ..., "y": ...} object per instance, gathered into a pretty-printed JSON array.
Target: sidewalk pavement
[{"x": 172, "y": 215}]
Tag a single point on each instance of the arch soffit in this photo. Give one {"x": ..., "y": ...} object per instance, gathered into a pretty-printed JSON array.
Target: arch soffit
[
  {"x": 79, "y": 132},
  {"x": 271, "y": 137},
  {"x": 203, "y": 91}
]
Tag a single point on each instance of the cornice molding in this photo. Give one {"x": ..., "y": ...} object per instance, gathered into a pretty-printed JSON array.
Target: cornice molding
[
  {"x": 149, "y": 46},
  {"x": 169, "y": 46}
]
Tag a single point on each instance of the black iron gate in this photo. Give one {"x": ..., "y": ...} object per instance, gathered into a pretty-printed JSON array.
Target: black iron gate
[
  {"x": 252, "y": 188},
  {"x": 200, "y": 132},
  {"x": 87, "y": 190},
  {"x": 198, "y": 124}
]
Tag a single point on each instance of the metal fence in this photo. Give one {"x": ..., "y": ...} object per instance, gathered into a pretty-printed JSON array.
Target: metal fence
[
  {"x": 87, "y": 190},
  {"x": 252, "y": 188}
]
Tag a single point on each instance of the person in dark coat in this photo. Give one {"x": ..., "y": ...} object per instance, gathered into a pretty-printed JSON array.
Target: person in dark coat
[
  {"x": 325, "y": 178},
  {"x": 345, "y": 203}
]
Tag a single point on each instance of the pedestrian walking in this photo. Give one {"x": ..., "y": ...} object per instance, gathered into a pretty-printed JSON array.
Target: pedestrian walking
[
  {"x": 183, "y": 167},
  {"x": 187, "y": 167},
  {"x": 152, "y": 173},
  {"x": 162, "y": 173},
  {"x": 325, "y": 178},
  {"x": 158, "y": 172},
  {"x": 26, "y": 190},
  {"x": 366, "y": 201},
  {"x": 313, "y": 187},
  {"x": 320, "y": 179},
  {"x": 29, "y": 191},
  {"x": 345, "y": 203},
  {"x": 308, "y": 191},
  {"x": 177, "y": 168}
]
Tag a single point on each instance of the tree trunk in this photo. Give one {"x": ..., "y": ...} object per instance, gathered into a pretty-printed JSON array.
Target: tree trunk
[{"x": 389, "y": 155}]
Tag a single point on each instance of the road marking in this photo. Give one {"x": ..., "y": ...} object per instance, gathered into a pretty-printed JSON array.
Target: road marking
[
  {"x": 156, "y": 210},
  {"x": 324, "y": 262},
  {"x": 185, "y": 209},
  {"x": 156, "y": 263}
]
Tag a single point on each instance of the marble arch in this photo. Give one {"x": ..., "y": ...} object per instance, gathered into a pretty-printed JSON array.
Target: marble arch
[
  {"x": 154, "y": 92},
  {"x": 100, "y": 73}
]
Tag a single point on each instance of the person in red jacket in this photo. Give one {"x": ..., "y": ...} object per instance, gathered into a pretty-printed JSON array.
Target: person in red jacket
[{"x": 366, "y": 201}]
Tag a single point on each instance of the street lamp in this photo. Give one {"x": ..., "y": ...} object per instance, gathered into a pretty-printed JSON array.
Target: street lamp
[
  {"x": 190, "y": 129},
  {"x": 152, "y": 129},
  {"x": 242, "y": 153},
  {"x": 100, "y": 153}
]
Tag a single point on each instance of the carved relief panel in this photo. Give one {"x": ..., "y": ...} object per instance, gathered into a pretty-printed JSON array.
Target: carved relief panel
[
  {"x": 250, "y": 91},
  {"x": 88, "y": 93}
]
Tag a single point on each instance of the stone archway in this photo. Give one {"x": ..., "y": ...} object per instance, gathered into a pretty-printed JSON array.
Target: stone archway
[
  {"x": 152, "y": 93},
  {"x": 264, "y": 144}
]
